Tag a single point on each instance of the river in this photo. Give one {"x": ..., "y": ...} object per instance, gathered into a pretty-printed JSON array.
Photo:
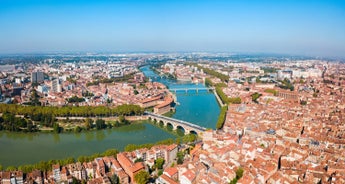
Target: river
[
  {"x": 200, "y": 108},
  {"x": 28, "y": 148}
]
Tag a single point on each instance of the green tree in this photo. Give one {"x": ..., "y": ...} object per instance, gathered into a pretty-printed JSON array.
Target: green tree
[
  {"x": 272, "y": 91},
  {"x": 314, "y": 95},
  {"x": 160, "y": 172},
  {"x": 142, "y": 177},
  {"x": 221, "y": 117},
  {"x": 77, "y": 129},
  {"x": 75, "y": 99},
  {"x": 235, "y": 100},
  {"x": 239, "y": 173},
  {"x": 88, "y": 123},
  {"x": 82, "y": 159},
  {"x": 57, "y": 128},
  {"x": 159, "y": 162},
  {"x": 208, "y": 82},
  {"x": 75, "y": 181},
  {"x": 100, "y": 124},
  {"x": 11, "y": 168},
  {"x": 111, "y": 152},
  {"x": 123, "y": 120},
  {"x": 189, "y": 138},
  {"x": 1, "y": 168},
  {"x": 138, "y": 160},
  {"x": 255, "y": 97},
  {"x": 303, "y": 102},
  {"x": 114, "y": 179},
  {"x": 180, "y": 157}
]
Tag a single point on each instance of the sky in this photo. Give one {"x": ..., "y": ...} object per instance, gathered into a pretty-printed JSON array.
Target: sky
[{"x": 297, "y": 27}]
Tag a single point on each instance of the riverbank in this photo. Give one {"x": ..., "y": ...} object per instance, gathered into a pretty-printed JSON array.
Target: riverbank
[
  {"x": 220, "y": 102},
  {"x": 28, "y": 148}
]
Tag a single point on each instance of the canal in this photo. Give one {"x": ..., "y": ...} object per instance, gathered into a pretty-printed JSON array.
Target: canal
[{"x": 27, "y": 148}]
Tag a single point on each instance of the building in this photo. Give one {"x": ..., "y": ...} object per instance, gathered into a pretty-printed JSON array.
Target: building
[
  {"x": 164, "y": 179},
  {"x": 35, "y": 177},
  {"x": 43, "y": 88},
  {"x": 288, "y": 95},
  {"x": 37, "y": 77},
  {"x": 187, "y": 178},
  {"x": 130, "y": 168},
  {"x": 151, "y": 101},
  {"x": 164, "y": 107},
  {"x": 56, "y": 86},
  {"x": 56, "y": 173},
  {"x": 171, "y": 153}
]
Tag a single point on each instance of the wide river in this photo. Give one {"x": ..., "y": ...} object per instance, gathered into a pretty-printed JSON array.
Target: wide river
[{"x": 26, "y": 148}]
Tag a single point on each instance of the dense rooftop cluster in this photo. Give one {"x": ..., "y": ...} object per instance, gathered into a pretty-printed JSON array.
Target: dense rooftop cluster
[{"x": 288, "y": 127}]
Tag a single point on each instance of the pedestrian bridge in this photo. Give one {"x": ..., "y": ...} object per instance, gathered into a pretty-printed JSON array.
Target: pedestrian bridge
[
  {"x": 197, "y": 89},
  {"x": 175, "y": 123}
]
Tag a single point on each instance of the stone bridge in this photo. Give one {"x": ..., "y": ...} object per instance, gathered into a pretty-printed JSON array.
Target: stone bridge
[
  {"x": 197, "y": 89},
  {"x": 175, "y": 123}
]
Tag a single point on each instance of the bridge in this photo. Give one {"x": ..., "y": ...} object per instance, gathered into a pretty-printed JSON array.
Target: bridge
[
  {"x": 192, "y": 89},
  {"x": 175, "y": 123}
]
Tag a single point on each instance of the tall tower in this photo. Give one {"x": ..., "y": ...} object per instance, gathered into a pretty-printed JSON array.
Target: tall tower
[{"x": 37, "y": 77}]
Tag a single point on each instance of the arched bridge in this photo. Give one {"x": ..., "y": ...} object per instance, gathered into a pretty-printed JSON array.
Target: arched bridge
[
  {"x": 197, "y": 89},
  {"x": 175, "y": 123}
]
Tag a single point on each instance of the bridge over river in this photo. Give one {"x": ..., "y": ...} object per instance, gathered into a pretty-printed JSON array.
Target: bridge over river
[
  {"x": 175, "y": 123},
  {"x": 197, "y": 89}
]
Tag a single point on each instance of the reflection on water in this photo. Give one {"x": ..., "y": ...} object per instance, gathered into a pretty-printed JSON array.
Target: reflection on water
[
  {"x": 89, "y": 136},
  {"x": 46, "y": 146},
  {"x": 100, "y": 135},
  {"x": 77, "y": 135},
  {"x": 56, "y": 137}
]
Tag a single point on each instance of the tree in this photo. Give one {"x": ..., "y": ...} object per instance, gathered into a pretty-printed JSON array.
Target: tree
[
  {"x": 100, "y": 124},
  {"x": 75, "y": 181},
  {"x": 77, "y": 129},
  {"x": 11, "y": 168},
  {"x": 255, "y": 97},
  {"x": 35, "y": 98},
  {"x": 142, "y": 177},
  {"x": 1, "y": 168},
  {"x": 57, "y": 128},
  {"x": 221, "y": 117},
  {"x": 114, "y": 179},
  {"x": 138, "y": 160},
  {"x": 159, "y": 162},
  {"x": 88, "y": 123},
  {"x": 122, "y": 119},
  {"x": 75, "y": 99},
  {"x": 303, "y": 102},
  {"x": 180, "y": 157},
  {"x": 239, "y": 174},
  {"x": 208, "y": 82},
  {"x": 111, "y": 152},
  {"x": 272, "y": 91},
  {"x": 189, "y": 138}
]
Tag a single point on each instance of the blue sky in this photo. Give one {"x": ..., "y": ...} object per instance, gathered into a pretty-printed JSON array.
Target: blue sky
[{"x": 298, "y": 27}]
